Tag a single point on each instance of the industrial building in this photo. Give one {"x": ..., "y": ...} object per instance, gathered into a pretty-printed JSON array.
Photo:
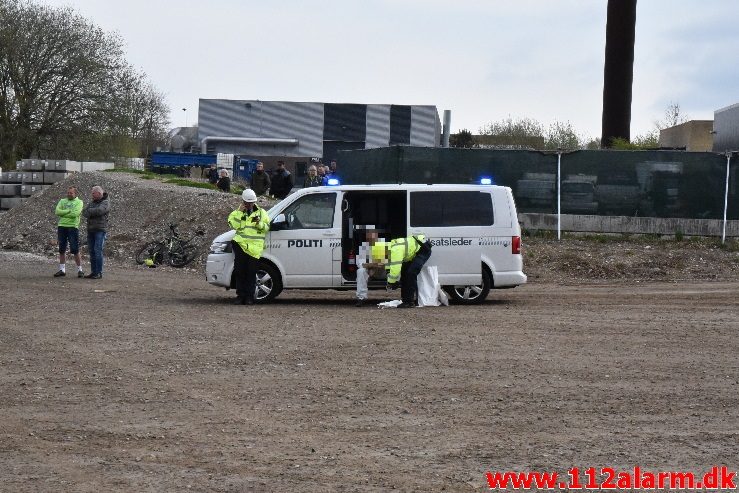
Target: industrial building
[
  {"x": 298, "y": 131},
  {"x": 692, "y": 136},
  {"x": 726, "y": 129}
]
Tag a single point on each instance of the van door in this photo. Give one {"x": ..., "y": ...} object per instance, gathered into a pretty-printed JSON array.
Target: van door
[
  {"x": 454, "y": 221},
  {"x": 304, "y": 247}
]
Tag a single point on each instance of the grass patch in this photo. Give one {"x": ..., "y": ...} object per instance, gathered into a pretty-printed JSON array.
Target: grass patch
[
  {"x": 147, "y": 175},
  {"x": 539, "y": 233},
  {"x": 730, "y": 246}
]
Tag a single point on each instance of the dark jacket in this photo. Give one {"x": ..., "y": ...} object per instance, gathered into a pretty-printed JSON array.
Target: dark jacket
[
  {"x": 212, "y": 175},
  {"x": 96, "y": 213},
  {"x": 314, "y": 181},
  {"x": 260, "y": 182},
  {"x": 282, "y": 183},
  {"x": 224, "y": 183}
]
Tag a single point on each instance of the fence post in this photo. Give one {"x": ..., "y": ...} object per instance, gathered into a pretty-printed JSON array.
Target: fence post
[
  {"x": 726, "y": 196},
  {"x": 559, "y": 193}
]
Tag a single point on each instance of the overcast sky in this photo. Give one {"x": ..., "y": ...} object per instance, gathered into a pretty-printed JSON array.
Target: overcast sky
[{"x": 484, "y": 60}]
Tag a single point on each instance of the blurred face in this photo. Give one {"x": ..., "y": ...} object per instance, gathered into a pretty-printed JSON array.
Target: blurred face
[
  {"x": 96, "y": 195},
  {"x": 71, "y": 193},
  {"x": 320, "y": 171},
  {"x": 312, "y": 171},
  {"x": 372, "y": 236},
  {"x": 333, "y": 165},
  {"x": 260, "y": 167}
]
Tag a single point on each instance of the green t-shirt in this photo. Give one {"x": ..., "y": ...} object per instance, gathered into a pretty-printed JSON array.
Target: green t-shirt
[{"x": 69, "y": 212}]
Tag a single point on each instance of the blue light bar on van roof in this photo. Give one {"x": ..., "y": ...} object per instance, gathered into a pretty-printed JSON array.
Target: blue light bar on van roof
[
  {"x": 486, "y": 181},
  {"x": 332, "y": 182}
]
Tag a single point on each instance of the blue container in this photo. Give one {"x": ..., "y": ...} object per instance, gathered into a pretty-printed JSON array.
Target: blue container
[
  {"x": 178, "y": 159},
  {"x": 243, "y": 168}
]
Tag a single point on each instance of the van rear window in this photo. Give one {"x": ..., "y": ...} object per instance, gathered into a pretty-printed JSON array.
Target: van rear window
[{"x": 442, "y": 209}]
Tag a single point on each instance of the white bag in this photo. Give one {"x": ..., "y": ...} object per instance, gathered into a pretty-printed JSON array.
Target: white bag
[{"x": 429, "y": 290}]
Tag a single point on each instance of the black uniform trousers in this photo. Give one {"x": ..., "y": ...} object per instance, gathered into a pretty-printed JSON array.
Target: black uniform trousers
[
  {"x": 409, "y": 275},
  {"x": 245, "y": 270}
]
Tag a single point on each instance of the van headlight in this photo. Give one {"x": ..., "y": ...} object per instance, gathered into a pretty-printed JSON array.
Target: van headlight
[{"x": 220, "y": 247}]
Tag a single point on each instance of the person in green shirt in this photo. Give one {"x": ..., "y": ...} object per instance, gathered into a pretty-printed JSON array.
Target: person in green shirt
[{"x": 68, "y": 231}]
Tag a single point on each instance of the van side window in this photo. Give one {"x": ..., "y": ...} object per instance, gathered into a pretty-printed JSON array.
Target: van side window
[
  {"x": 442, "y": 209},
  {"x": 313, "y": 211}
]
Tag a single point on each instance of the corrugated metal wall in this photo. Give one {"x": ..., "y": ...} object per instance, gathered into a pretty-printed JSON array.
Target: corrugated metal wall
[
  {"x": 378, "y": 126},
  {"x": 425, "y": 126},
  {"x": 318, "y": 127},
  {"x": 726, "y": 126},
  {"x": 268, "y": 119}
]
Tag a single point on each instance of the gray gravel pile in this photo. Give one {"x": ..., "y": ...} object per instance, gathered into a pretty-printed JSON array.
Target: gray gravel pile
[{"x": 140, "y": 212}]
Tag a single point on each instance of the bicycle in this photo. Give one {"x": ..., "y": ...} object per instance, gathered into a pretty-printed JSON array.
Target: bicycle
[{"x": 173, "y": 249}]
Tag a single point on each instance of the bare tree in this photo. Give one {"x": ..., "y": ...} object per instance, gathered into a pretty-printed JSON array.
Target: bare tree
[{"x": 60, "y": 86}]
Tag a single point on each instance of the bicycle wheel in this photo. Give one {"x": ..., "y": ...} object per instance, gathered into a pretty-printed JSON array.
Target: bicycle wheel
[
  {"x": 153, "y": 250},
  {"x": 182, "y": 256}
]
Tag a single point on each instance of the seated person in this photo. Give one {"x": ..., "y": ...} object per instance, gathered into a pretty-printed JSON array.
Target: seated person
[{"x": 369, "y": 264}]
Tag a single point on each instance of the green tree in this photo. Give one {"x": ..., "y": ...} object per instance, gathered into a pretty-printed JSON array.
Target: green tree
[
  {"x": 66, "y": 89},
  {"x": 513, "y": 132},
  {"x": 463, "y": 138},
  {"x": 562, "y": 135},
  {"x": 528, "y": 133}
]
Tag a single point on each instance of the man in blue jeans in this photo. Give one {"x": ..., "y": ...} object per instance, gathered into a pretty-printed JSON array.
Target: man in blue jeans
[{"x": 96, "y": 213}]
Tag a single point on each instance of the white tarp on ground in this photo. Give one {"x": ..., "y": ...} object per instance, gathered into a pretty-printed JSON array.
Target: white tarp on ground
[{"x": 429, "y": 290}]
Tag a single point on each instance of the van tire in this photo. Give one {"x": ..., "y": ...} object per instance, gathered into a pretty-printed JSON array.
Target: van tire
[
  {"x": 268, "y": 278},
  {"x": 471, "y": 295}
]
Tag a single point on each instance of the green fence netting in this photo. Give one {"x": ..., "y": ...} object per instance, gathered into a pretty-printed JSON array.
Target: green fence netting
[{"x": 627, "y": 183}]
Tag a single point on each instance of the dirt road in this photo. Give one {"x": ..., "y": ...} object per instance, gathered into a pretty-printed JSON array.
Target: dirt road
[{"x": 149, "y": 380}]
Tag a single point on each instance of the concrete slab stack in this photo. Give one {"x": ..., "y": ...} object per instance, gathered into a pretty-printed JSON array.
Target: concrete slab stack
[
  {"x": 36, "y": 175},
  {"x": 10, "y": 202},
  {"x": 96, "y": 166},
  {"x": 51, "y": 177},
  {"x": 28, "y": 177},
  {"x": 10, "y": 190},
  {"x": 63, "y": 165}
]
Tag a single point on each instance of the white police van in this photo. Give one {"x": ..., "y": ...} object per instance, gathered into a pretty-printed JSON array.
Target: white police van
[{"x": 315, "y": 234}]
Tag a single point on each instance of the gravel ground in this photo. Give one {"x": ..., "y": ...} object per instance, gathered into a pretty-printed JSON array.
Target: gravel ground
[
  {"x": 151, "y": 381},
  {"x": 619, "y": 352}
]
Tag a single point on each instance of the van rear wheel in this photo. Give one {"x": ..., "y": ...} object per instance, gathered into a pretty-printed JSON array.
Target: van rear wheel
[{"x": 471, "y": 295}]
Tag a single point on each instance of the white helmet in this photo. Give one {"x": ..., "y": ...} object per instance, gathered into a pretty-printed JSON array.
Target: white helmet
[{"x": 248, "y": 195}]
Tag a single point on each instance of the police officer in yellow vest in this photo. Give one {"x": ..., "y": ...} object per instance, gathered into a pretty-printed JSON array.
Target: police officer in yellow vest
[
  {"x": 251, "y": 224},
  {"x": 406, "y": 257}
]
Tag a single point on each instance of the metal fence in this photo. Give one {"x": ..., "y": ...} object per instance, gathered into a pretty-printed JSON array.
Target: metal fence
[{"x": 666, "y": 184}]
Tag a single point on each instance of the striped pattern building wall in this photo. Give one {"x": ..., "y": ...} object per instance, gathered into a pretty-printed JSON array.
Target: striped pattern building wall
[
  {"x": 726, "y": 126},
  {"x": 250, "y": 127}
]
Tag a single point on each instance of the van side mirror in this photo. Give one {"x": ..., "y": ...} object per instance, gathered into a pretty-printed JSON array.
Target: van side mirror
[{"x": 279, "y": 223}]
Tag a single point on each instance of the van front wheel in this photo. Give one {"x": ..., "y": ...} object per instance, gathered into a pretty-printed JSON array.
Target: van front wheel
[
  {"x": 471, "y": 295},
  {"x": 269, "y": 283}
]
